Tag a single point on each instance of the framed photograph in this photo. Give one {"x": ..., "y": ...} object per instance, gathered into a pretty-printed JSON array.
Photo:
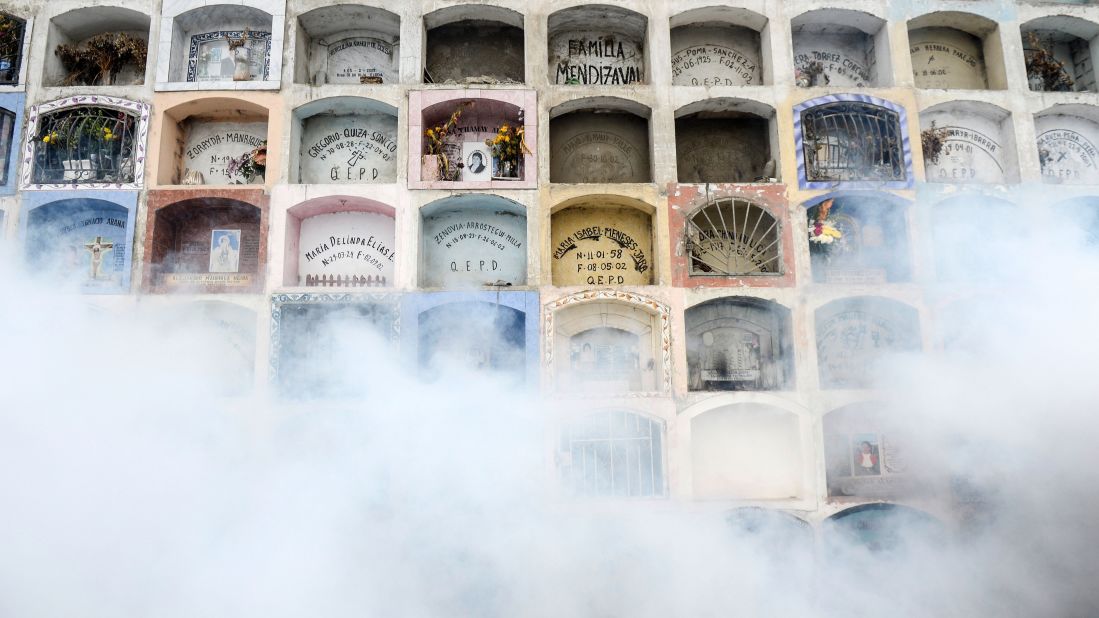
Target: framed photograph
[
  {"x": 477, "y": 162},
  {"x": 224, "y": 251}
]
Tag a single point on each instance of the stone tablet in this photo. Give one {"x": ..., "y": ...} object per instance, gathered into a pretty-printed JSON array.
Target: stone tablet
[
  {"x": 708, "y": 56},
  {"x": 594, "y": 58},
  {"x": 208, "y": 146},
  {"x": 602, "y": 246},
  {"x": 1067, "y": 149},
  {"x": 474, "y": 247},
  {"x": 973, "y": 150},
  {"x": 86, "y": 240},
  {"x": 347, "y": 243},
  {"x": 599, "y": 148},
  {"x": 358, "y": 148},
  {"x": 351, "y": 59},
  {"x": 844, "y": 58},
  {"x": 947, "y": 58},
  {"x": 854, "y": 337}
]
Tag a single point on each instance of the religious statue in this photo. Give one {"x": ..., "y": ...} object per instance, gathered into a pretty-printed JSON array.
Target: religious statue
[{"x": 97, "y": 248}]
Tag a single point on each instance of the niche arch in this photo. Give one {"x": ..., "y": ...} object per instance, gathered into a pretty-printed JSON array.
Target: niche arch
[
  {"x": 602, "y": 240},
  {"x": 879, "y": 528},
  {"x": 13, "y": 65},
  {"x": 223, "y": 334},
  {"x": 872, "y": 247},
  {"x": 613, "y": 453},
  {"x": 597, "y": 45},
  {"x": 1065, "y": 39},
  {"x": 841, "y": 48},
  {"x": 474, "y": 44},
  {"x": 344, "y": 140},
  {"x": 867, "y": 455},
  {"x": 739, "y": 343},
  {"x": 473, "y": 240},
  {"x": 1068, "y": 144},
  {"x": 348, "y": 44},
  {"x": 628, "y": 339},
  {"x": 362, "y": 254},
  {"x": 966, "y": 221},
  {"x": 723, "y": 140},
  {"x": 730, "y": 39},
  {"x": 978, "y": 144},
  {"x": 855, "y": 335},
  {"x": 956, "y": 50},
  {"x": 75, "y": 27},
  {"x": 600, "y": 140},
  {"x": 212, "y": 129}
]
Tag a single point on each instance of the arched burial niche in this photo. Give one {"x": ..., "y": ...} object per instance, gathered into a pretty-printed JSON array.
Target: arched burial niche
[
  {"x": 725, "y": 140},
  {"x": 720, "y": 46},
  {"x": 474, "y": 44},
  {"x": 11, "y": 121},
  {"x": 609, "y": 342},
  {"x": 12, "y": 45},
  {"x": 324, "y": 345},
  {"x": 222, "y": 334},
  {"x": 1058, "y": 53},
  {"x": 85, "y": 240},
  {"x": 1068, "y": 144},
  {"x": 472, "y": 241},
  {"x": 86, "y": 142},
  {"x": 597, "y": 45},
  {"x": 746, "y": 451},
  {"x": 221, "y": 46},
  {"x": 205, "y": 244},
  {"x": 340, "y": 241},
  {"x": 348, "y": 44},
  {"x": 977, "y": 239},
  {"x": 858, "y": 238},
  {"x": 212, "y": 132},
  {"x": 969, "y": 141},
  {"x": 840, "y": 47},
  {"x": 600, "y": 140},
  {"x": 612, "y": 454},
  {"x": 602, "y": 240},
  {"x": 956, "y": 50},
  {"x": 472, "y": 335},
  {"x": 855, "y": 336},
  {"x": 344, "y": 140},
  {"x": 880, "y": 528},
  {"x": 865, "y": 454},
  {"x": 96, "y": 45},
  {"x": 1078, "y": 222},
  {"x": 733, "y": 237},
  {"x": 739, "y": 343},
  {"x": 852, "y": 138}
]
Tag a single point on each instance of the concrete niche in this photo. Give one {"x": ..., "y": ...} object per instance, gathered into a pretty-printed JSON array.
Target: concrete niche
[
  {"x": 1068, "y": 136},
  {"x": 725, "y": 140},
  {"x": 979, "y": 144},
  {"x": 473, "y": 241},
  {"x": 222, "y": 334},
  {"x": 474, "y": 44},
  {"x": 872, "y": 246},
  {"x": 856, "y": 336},
  {"x": 344, "y": 140},
  {"x": 852, "y": 138},
  {"x": 196, "y": 147},
  {"x": 977, "y": 239},
  {"x": 1070, "y": 41},
  {"x": 340, "y": 241},
  {"x": 881, "y": 529},
  {"x": 953, "y": 50},
  {"x": 597, "y": 45},
  {"x": 614, "y": 453},
  {"x": 607, "y": 347},
  {"x": 77, "y": 26},
  {"x": 739, "y": 343},
  {"x": 602, "y": 241},
  {"x": 472, "y": 335},
  {"x": 719, "y": 46},
  {"x": 205, "y": 244},
  {"x": 348, "y": 44},
  {"x": 83, "y": 240},
  {"x": 865, "y": 455},
  {"x": 12, "y": 63},
  {"x": 200, "y": 53},
  {"x": 746, "y": 452},
  {"x": 600, "y": 144},
  {"x": 839, "y": 47}
]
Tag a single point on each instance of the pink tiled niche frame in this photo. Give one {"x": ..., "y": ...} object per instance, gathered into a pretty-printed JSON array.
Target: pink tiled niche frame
[{"x": 489, "y": 107}]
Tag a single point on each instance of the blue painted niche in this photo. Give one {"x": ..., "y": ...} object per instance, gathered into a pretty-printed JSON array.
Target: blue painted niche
[{"x": 84, "y": 237}]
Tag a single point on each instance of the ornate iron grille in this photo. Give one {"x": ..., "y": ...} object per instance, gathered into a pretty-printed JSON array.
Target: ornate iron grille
[
  {"x": 85, "y": 145},
  {"x": 11, "y": 48},
  {"x": 614, "y": 454},
  {"x": 847, "y": 141},
  {"x": 733, "y": 237}
]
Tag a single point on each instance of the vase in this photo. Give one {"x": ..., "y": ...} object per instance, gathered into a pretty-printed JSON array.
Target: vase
[
  {"x": 242, "y": 67},
  {"x": 431, "y": 168}
]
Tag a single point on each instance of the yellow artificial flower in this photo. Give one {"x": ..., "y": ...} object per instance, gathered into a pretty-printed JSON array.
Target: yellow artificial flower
[
  {"x": 828, "y": 230},
  {"x": 46, "y": 140}
]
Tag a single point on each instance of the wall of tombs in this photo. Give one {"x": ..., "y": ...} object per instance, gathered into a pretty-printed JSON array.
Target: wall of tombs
[{"x": 718, "y": 223}]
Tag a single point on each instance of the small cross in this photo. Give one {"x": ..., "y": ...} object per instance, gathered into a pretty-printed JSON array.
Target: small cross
[{"x": 97, "y": 248}]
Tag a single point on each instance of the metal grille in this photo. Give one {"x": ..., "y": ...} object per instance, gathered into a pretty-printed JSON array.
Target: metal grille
[
  {"x": 733, "y": 237},
  {"x": 846, "y": 141},
  {"x": 614, "y": 454},
  {"x": 85, "y": 145},
  {"x": 11, "y": 48}
]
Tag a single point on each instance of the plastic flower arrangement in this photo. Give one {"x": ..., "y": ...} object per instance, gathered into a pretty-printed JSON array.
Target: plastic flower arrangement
[
  {"x": 437, "y": 135},
  {"x": 248, "y": 165},
  {"x": 823, "y": 232},
  {"x": 508, "y": 145}
]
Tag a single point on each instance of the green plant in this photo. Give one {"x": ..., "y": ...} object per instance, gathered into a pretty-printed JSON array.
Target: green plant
[{"x": 101, "y": 57}]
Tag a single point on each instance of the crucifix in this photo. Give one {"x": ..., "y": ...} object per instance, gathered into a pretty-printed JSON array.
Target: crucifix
[{"x": 97, "y": 248}]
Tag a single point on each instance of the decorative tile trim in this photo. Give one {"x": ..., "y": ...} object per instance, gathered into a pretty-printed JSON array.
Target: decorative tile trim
[
  {"x": 137, "y": 108},
  {"x": 218, "y": 35},
  {"x": 663, "y": 314},
  {"x": 301, "y": 298},
  {"x": 799, "y": 145}
]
